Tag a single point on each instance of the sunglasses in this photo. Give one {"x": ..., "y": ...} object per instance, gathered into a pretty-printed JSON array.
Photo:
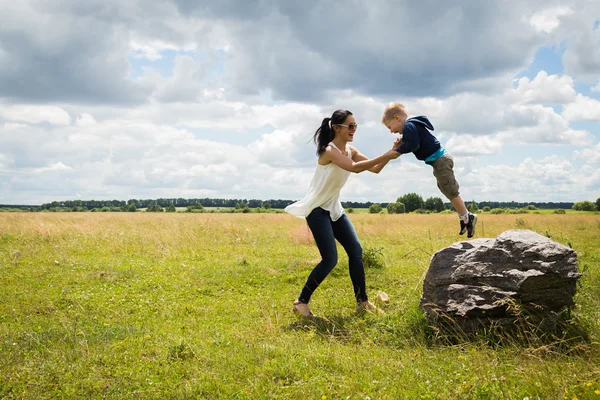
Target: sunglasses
[{"x": 349, "y": 126}]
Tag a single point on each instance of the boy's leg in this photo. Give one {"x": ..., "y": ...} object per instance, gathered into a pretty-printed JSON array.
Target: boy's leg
[
  {"x": 468, "y": 220},
  {"x": 459, "y": 205},
  {"x": 443, "y": 170},
  {"x": 463, "y": 213},
  {"x": 346, "y": 234},
  {"x": 472, "y": 222},
  {"x": 320, "y": 225}
]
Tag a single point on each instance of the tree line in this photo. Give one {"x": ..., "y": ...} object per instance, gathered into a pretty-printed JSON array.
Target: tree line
[
  {"x": 432, "y": 203},
  {"x": 166, "y": 202},
  {"x": 413, "y": 202},
  {"x": 407, "y": 203}
]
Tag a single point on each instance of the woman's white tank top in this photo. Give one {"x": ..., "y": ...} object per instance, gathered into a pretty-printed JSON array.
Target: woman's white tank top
[{"x": 324, "y": 191}]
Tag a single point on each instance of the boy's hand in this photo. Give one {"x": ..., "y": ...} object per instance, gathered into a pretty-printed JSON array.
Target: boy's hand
[{"x": 397, "y": 143}]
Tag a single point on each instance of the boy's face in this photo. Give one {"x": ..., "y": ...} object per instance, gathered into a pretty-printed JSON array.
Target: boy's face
[{"x": 395, "y": 124}]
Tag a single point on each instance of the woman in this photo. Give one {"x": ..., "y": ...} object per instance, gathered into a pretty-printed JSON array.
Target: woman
[{"x": 323, "y": 210}]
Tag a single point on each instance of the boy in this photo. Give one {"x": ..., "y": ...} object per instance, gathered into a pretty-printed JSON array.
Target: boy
[{"x": 417, "y": 139}]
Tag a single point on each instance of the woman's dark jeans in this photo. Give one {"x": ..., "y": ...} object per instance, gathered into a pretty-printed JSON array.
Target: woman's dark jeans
[{"x": 325, "y": 231}]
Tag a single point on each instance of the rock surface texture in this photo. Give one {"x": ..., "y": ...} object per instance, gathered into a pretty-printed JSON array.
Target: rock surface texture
[{"x": 476, "y": 283}]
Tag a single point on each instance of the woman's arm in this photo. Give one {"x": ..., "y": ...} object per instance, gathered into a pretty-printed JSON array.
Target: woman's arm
[
  {"x": 356, "y": 165},
  {"x": 358, "y": 156}
]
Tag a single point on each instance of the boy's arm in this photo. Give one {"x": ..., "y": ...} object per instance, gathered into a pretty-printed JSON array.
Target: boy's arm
[{"x": 410, "y": 139}]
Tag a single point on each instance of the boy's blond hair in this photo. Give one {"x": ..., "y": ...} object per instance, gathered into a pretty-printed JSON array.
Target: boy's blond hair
[{"x": 393, "y": 109}]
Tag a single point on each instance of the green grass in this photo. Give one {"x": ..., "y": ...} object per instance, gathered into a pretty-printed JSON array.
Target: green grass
[{"x": 136, "y": 305}]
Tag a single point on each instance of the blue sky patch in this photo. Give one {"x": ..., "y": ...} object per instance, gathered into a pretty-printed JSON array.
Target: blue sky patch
[{"x": 547, "y": 58}]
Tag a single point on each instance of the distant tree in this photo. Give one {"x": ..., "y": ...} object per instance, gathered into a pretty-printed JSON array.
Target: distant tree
[
  {"x": 434, "y": 204},
  {"x": 486, "y": 208},
  {"x": 350, "y": 210},
  {"x": 584, "y": 206},
  {"x": 531, "y": 207},
  {"x": 412, "y": 201},
  {"x": 266, "y": 205},
  {"x": 154, "y": 208},
  {"x": 131, "y": 207},
  {"x": 254, "y": 203},
  {"x": 473, "y": 207},
  {"x": 375, "y": 208},
  {"x": 396, "y": 208},
  {"x": 171, "y": 208},
  {"x": 598, "y": 204},
  {"x": 401, "y": 208}
]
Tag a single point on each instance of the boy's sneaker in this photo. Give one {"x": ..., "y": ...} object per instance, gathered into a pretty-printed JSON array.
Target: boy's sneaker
[
  {"x": 463, "y": 226},
  {"x": 302, "y": 309},
  {"x": 367, "y": 306},
  {"x": 471, "y": 225}
]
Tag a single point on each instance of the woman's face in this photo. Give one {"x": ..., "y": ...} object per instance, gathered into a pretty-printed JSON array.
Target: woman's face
[{"x": 347, "y": 130}]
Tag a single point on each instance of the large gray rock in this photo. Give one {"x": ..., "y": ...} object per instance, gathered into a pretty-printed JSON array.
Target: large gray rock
[{"x": 476, "y": 283}]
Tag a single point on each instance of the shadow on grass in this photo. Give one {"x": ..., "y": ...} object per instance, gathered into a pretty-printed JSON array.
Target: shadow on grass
[
  {"x": 332, "y": 327},
  {"x": 561, "y": 334}
]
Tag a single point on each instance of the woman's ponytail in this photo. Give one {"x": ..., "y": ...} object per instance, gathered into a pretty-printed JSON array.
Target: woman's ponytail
[{"x": 323, "y": 136}]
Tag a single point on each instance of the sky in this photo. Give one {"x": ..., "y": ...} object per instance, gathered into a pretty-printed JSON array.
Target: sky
[{"x": 144, "y": 99}]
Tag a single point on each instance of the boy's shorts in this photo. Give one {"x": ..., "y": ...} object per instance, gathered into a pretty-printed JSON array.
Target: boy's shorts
[{"x": 444, "y": 174}]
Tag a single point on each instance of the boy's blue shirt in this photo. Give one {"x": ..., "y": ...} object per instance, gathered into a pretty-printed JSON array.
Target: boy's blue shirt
[{"x": 417, "y": 139}]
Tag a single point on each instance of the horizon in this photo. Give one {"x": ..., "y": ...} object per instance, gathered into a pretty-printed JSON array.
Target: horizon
[{"x": 446, "y": 202}]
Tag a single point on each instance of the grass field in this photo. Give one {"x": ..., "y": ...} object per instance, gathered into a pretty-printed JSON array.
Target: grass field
[{"x": 137, "y": 305}]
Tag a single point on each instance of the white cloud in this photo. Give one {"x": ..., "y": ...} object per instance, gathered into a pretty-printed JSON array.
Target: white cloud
[
  {"x": 187, "y": 83},
  {"x": 5, "y": 160},
  {"x": 550, "y": 179},
  {"x": 548, "y": 128},
  {"x": 549, "y": 19},
  {"x": 545, "y": 89},
  {"x": 8, "y": 126},
  {"x": 276, "y": 148},
  {"x": 589, "y": 156},
  {"x": 85, "y": 119},
  {"x": 591, "y": 182},
  {"x": 35, "y": 114},
  {"x": 580, "y": 36},
  {"x": 468, "y": 145},
  {"x": 516, "y": 115},
  {"x": 152, "y": 49},
  {"x": 582, "y": 109},
  {"x": 59, "y": 166}
]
